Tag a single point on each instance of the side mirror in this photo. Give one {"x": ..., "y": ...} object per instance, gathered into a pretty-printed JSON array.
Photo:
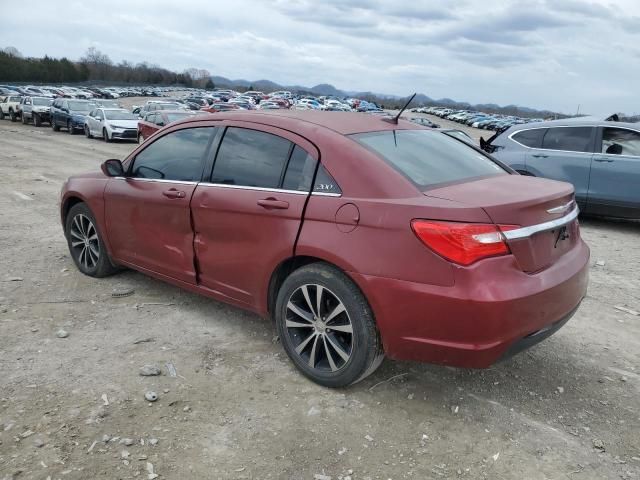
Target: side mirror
[{"x": 112, "y": 168}]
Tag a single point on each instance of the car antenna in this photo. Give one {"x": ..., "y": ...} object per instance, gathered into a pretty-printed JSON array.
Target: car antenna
[{"x": 397, "y": 117}]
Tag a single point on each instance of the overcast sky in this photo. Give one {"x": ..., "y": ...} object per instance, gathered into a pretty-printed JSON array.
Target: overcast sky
[{"x": 553, "y": 54}]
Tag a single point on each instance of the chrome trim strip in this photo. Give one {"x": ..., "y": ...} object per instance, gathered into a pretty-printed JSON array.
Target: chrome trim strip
[
  {"x": 561, "y": 208},
  {"x": 326, "y": 194},
  {"x": 157, "y": 180},
  {"x": 525, "y": 232},
  {"x": 236, "y": 187},
  {"x": 259, "y": 189}
]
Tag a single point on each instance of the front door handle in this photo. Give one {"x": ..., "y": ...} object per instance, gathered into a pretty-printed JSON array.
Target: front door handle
[
  {"x": 174, "y": 193},
  {"x": 603, "y": 159},
  {"x": 271, "y": 202},
  {"x": 540, "y": 155}
]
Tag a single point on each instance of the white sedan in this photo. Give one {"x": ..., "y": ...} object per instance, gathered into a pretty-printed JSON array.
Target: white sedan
[{"x": 111, "y": 123}]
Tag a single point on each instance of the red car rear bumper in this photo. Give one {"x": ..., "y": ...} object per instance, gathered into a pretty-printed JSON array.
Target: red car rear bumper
[{"x": 493, "y": 310}]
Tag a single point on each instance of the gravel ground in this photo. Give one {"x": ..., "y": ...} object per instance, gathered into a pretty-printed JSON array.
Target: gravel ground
[{"x": 74, "y": 407}]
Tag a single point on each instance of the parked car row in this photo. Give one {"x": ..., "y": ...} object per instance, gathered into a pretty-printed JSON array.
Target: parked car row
[
  {"x": 475, "y": 119},
  {"x": 84, "y": 93}
]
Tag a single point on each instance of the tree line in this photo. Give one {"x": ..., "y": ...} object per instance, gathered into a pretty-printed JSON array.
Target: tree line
[{"x": 94, "y": 66}]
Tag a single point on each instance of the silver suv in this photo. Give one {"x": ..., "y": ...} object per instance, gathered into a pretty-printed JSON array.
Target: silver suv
[{"x": 600, "y": 158}]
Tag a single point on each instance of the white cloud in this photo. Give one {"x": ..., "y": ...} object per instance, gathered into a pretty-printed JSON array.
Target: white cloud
[{"x": 546, "y": 53}]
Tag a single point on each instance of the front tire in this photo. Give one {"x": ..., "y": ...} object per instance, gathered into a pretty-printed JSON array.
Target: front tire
[
  {"x": 70, "y": 128},
  {"x": 87, "y": 132},
  {"x": 327, "y": 327},
  {"x": 105, "y": 135},
  {"x": 1, "y": 114},
  {"x": 37, "y": 121},
  {"x": 12, "y": 115},
  {"x": 23, "y": 118},
  {"x": 85, "y": 243},
  {"x": 54, "y": 125}
]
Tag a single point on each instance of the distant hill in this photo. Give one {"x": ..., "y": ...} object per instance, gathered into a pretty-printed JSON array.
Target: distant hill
[{"x": 389, "y": 101}]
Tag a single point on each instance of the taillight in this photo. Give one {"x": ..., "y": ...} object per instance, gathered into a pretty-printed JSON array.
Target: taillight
[{"x": 463, "y": 243}]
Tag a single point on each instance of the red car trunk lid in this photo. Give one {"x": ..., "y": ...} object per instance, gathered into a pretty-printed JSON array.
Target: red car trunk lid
[{"x": 526, "y": 202}]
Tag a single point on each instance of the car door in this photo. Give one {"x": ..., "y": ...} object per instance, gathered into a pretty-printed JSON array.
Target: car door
[
  {"x": 147, "y": 212},
  {"x": 144, "y": 124},
  {"x": 54, "y": 112},
  {"x": 248, "y": 215},
  {"x": 99, "y": 122},
  {"x": 90, "y": 121},
  {"x": 63, "y": 114},
  {"x": 565, "y": 154},
  {"x": 614, "y": 188}
]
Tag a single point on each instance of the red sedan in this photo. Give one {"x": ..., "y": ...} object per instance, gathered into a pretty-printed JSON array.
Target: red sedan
[{"x": 359, "y": 236}]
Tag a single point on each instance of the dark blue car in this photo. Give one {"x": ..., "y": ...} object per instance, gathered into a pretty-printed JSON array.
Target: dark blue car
[{"x": 69, "y": 113}]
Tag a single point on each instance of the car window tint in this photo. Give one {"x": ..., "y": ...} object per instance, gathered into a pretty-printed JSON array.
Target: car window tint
[
  {"x": 572, "y": 139},
  {"x": 325, "y": 183},
  {"x": 300, "y": 171},
  {"x": 251, "y": 158},
  {"x": 427, "y": 157},
  {"x": 620, "y": 141},
  {"x": 530, "y": 138},
  {"x": 176, "y": 156}
]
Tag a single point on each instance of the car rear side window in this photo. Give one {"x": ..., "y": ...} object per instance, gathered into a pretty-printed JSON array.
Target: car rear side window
[
  {"x": 429, "y": 158},
  {"x": 530, "y": 138},
  {"x": 176, "y": 156},
  {"x": 300, "y": 169},
  {"x": 325, "y": 182},
  {"x": 620, "y": 141},
  {"x": 251, "y": 158},
  {"x": 572, "y": 139}
]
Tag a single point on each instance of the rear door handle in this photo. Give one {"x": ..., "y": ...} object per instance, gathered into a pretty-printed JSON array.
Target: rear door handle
[
  {"x": 271, "y": 202},
  {"x": 540, "y": 155},
  {"x": 174, "y": 193},
  {"x": 603, "y": 159}
]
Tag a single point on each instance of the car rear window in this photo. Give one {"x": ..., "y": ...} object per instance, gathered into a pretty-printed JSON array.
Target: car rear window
[{"x": 428, "y": 158}]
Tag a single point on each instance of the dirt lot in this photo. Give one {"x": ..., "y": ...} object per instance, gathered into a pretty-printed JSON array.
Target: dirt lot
[{"x": 566, "y": 409}]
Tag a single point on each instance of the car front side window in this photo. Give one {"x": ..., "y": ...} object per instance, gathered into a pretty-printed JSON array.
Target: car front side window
[
  {"x": 620, "y": 141},
  {"x": 177, "y": 156}
]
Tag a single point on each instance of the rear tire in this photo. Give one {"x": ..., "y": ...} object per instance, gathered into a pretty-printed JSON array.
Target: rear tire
[
  {"x": 332, "y": 349},
  {"x": 85, "y": 243}
]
